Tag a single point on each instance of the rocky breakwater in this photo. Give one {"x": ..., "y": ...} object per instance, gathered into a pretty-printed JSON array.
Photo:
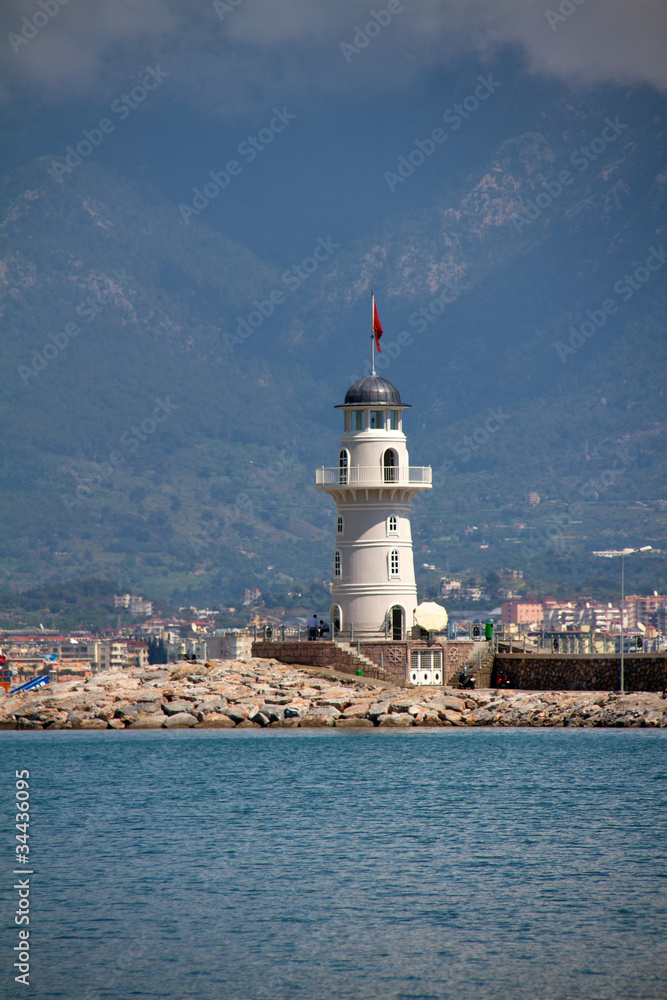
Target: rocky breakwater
[{"x": 261, "y": 693}]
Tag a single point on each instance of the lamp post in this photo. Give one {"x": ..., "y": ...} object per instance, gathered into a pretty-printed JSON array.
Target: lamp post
[{"x": 624, "y": 553}]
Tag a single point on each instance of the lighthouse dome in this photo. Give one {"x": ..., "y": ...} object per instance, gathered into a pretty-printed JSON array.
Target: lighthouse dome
[{"x": 373, "y": 389}]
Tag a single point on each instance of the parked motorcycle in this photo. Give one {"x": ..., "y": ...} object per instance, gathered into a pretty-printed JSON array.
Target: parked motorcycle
[{"x": 466, "y": 680}]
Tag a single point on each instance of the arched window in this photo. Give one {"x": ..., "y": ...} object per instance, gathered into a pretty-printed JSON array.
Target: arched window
[
  {"x": 339, "y": 526},
  {"x": 337, "y": 564},
  {"x": 343, "y": 465},
  {"x": 392, "y": 525},
  {"x": 393, "y": 564},
  {"x": 390, "y": 466}
]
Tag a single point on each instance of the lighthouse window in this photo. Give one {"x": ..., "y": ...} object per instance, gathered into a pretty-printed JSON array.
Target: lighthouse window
[
  {"x": 393, "y": 420},
  {"x": 393, "y": 563},
  {"x": 358, "y": 420},
  {"x": 337, "y": 563},
  {"x": 347, "y": 420},
  {"x": 392, "y": 525},
  {"x": 340, "y": 526},
  {"x": 377, "y": 420}
]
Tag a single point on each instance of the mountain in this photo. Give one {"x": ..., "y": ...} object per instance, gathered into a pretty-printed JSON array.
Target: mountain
[{"x": 167, "y": 392}]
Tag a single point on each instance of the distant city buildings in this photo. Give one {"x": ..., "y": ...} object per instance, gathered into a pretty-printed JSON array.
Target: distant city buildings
[
  {"x": 135, "y": 605},
  {"x": 553, "y": 615},
  {"x": 518, "y": 612}
]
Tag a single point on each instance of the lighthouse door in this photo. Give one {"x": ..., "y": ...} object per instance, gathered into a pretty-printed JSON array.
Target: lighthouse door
[
  {"x": 390, "y": 464},
  {"x": 397, "y": 623}
]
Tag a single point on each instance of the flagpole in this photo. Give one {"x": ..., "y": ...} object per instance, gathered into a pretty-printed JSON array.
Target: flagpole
[{"x": 372, "y": 333}]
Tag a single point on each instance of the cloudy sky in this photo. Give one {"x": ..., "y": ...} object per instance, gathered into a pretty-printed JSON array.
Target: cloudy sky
[{"x": 236, "y": 56}]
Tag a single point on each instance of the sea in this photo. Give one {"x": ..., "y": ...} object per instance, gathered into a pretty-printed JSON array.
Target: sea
[{"x": 483, "y": 864}]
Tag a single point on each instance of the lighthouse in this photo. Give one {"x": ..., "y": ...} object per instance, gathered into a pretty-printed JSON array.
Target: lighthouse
[{"x": 374, "y": 594}]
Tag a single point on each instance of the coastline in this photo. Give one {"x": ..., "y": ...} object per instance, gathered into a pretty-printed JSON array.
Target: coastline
[{"x": 260, "y": 693}]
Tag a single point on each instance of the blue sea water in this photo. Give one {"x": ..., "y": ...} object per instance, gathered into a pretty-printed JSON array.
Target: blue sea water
[{"x": 486, "y": 864}]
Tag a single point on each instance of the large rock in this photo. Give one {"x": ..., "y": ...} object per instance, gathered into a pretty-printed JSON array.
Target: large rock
[
  {"x": 410, "y": 705},
  {"x": 215, "y": 720},
  {"x": 274, "y": 713},
  {"x": 377, "y": 709},
  {"x": 212, "y": 704},
  {"x": 401, "y": 719},
  {"x": 450, "y": 717},
  {"x": 178, "y": 706},
  {"x": 182, "y": 720},
  {"x": 92, "y": 724},
  {"x": 322, "y": 715},
  {"x": 445, "y": 702},
  {"x": 354, "y": 722},
  {"x": 428, "y": 717},
  {"x": 148, "y": 705},
  {"x": 259, "y": 719},
  {"x": 125, "y": 712},
  {"x": 156, "y": 720},
  {"x": 357, "y": 710}
]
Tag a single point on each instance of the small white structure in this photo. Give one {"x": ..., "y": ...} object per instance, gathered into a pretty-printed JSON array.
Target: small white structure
[{"x": 373, "y": 484}]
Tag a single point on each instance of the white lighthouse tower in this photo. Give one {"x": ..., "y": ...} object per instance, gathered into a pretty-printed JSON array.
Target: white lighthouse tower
[{"x": 374, "y": 591}]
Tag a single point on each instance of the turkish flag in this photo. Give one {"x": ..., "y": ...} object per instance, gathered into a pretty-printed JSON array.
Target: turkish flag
[{"x": 377, "y": 327}]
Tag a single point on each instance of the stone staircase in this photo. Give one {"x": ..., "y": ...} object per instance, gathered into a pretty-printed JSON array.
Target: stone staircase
[
  {"x": 482, "y": 668},
  {"x": 369, "y": 667},
  {"x": 333, "y": 654}
]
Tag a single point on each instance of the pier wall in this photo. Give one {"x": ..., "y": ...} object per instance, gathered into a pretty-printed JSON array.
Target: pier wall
[{"x": 554, "y": 672}]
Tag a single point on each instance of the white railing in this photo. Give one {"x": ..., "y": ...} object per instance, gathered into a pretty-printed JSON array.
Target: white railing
[{"x": 359, "y": 475}]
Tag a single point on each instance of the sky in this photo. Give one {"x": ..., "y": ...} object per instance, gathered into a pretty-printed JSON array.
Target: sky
[
  {"x": 360, "y": 81},
  {"x": 234, "y": 57}
]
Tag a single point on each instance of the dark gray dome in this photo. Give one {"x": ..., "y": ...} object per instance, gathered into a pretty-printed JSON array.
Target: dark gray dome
[{"x": 373, "y": 389}]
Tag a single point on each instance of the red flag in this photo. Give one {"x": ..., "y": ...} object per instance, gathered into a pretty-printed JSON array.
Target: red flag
[{"x": 377, "y": 327}]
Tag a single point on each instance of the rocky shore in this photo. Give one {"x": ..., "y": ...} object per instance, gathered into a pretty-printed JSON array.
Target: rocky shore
[{"x": 226, "y": 694}]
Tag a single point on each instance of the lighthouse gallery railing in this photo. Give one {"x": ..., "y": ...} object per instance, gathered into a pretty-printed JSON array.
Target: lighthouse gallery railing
[{"x": 359, "y": 475}]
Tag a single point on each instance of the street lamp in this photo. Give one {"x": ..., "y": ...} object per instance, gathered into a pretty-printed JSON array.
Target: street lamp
[{"x": 624, "y": 553}]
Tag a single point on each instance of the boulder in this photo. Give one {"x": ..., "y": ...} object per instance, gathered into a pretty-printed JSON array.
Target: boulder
[
  {"x": 156, "y": 720},
  {"x": 410, "y": 705},
  {"x": 208, "y": 705},
  {"x": 259, "y": 719},
  {"x": 377, "y": 709},
  {"x": 321, "y": 715},
  {"x": 450, "y": 717},
  {"x": 178, "y": 707},
  {"x": 147, "y": 706},
  {"x": 428, "y": 717},
  {"x": 400, "y": 719},
  {"x": 274, "y": 713},
  {"x": 126, "y": 712},
  {"x": 353, "y": 722},
  {"x": 92, "y": 724},
  {"x": 240, "y": 712},
  {"x": 182, "y": 720},
  {"x": 115, "y": 724},
  {"x": 215, "y": 720},
  {"x": 357, "y": 710}
]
